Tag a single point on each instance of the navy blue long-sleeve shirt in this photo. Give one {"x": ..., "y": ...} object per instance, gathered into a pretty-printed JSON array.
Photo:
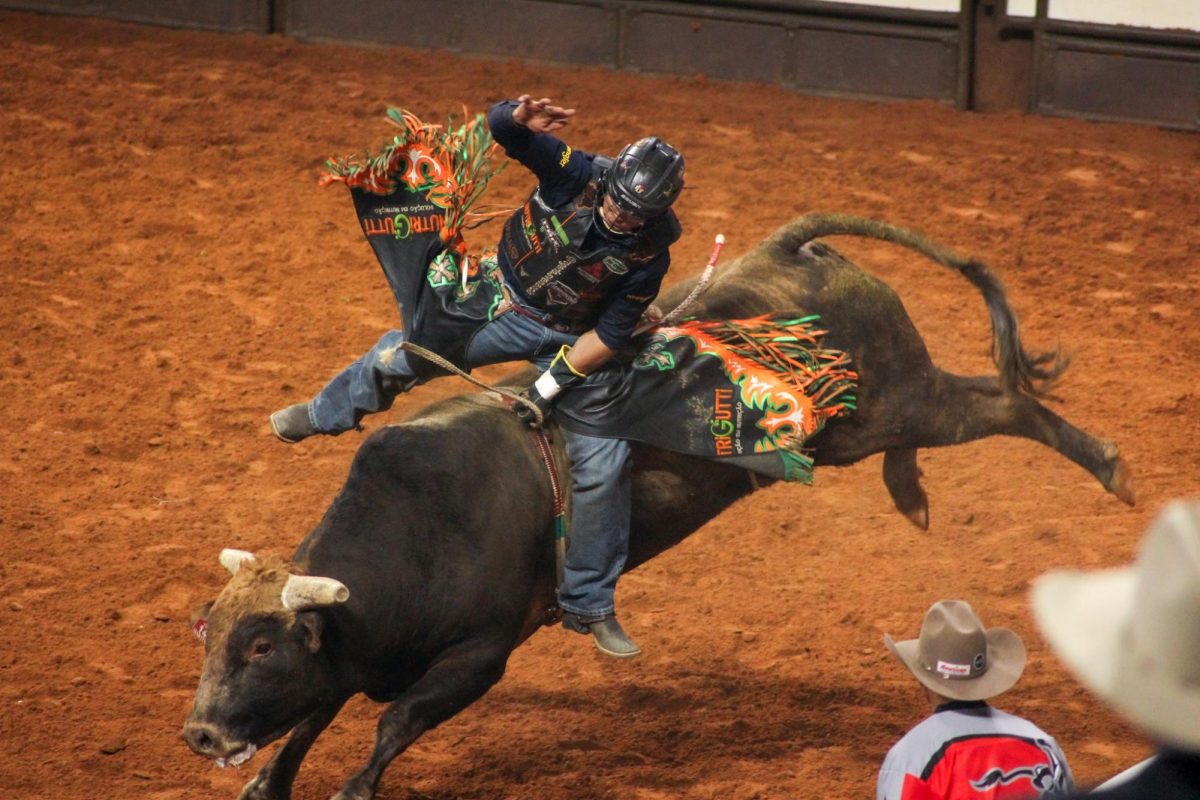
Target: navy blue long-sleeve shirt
[{"x": 562, "y": 173}]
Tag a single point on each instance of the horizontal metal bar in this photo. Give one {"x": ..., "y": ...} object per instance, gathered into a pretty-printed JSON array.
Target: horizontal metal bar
[
  {"x": 1093, "y": 116},
  {"x": 829, "y": 9},
  {"x": 1094, "y": 30},
  {"x": 1123, "y": 48},
  {"x": 903, "y": 25}
]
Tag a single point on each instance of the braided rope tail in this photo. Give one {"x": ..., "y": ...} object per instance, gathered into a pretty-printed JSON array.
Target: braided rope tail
[
  {"x": 437, "y": 360},
  {"x": 700, "y": 288},
  {"x": 1020, "y": 371}
]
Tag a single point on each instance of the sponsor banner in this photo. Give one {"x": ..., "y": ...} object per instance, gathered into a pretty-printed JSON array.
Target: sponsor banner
[
  {"x": 440, "y": 309},
  {"x": 692, "y": 389}
]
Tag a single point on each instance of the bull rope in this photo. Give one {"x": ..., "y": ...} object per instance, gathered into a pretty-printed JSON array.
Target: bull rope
[
  {"x": 439, "y": 361},
  {"x": 542, "y": 442}
]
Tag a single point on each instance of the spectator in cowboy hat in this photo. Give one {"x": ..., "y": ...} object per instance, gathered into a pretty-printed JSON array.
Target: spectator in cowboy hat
[
  {"x": 966, "y": 748},
  {"x": 1132, "y": 636}
]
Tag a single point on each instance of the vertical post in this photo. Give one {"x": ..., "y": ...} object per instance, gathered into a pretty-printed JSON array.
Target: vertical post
[
  {"x": 277, "y": 16},
  {"x": 1040, "y": 15},
  {"x": 964, "y": 90},
  {"x": 623, "y": 22}
]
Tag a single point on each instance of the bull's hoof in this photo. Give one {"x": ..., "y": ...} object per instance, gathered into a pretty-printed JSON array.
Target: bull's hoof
[
  {"x": 354, "y": 791},
  {"x": 1120, "y": 479},
  {"x": 1120, "y": 482},
  {"x": 902, "y": 477},
  {"x": 918, "y": 517},
  {"x": 259, "y": 788},
  {"x": 354, "y": 795}
]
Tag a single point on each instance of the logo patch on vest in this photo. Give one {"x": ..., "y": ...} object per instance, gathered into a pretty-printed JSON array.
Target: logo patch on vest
[
  {"x": 616, "y": 265},
  {"x": 592, "y": 272},
  {"x": 560, "y": 294}
]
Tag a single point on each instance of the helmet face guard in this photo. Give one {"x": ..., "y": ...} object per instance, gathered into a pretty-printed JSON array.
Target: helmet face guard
[{"x": 646, "y": 177}]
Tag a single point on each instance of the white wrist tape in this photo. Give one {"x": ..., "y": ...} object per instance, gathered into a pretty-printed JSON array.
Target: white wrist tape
[{"x": 546, "y": 386}]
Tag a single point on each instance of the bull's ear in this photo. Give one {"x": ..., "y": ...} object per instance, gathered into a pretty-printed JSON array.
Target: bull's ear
[
  {"x": 199, "y": 620},
  {"x": 310, "y": 624}
]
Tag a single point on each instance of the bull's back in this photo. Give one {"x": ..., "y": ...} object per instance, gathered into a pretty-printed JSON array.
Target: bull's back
[{"x": 862, "y": 314}]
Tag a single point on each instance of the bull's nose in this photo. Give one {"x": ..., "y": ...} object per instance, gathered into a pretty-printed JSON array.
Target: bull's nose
[{"x": 203, "y": 739}]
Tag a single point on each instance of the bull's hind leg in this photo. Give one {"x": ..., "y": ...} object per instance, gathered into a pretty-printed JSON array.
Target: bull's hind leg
[
  {"x": 458, "y": 678},
  {"x": 966, "y": 409},
  {"x": 902, "y": 477}
]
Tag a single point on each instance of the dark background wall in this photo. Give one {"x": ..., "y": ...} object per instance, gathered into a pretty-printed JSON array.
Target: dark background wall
[{"x": 979, "y": 58}]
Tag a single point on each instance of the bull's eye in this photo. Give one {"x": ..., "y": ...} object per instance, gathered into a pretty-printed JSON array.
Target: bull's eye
[{"x": 261, "y": 648}]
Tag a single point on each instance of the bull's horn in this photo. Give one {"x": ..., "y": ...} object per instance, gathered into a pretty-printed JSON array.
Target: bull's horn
[
  {"x": 307, "y": 591},
  {"x": 232, "y": 559}
]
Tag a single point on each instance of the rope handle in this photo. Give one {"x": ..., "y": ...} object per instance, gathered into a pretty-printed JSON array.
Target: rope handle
[
  {"x": 445, "y": 364},
  {"x": 700, "y": 288}
]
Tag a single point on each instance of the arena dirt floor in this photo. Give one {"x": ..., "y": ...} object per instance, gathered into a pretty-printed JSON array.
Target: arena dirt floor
[{"x": 172, "y": 273}]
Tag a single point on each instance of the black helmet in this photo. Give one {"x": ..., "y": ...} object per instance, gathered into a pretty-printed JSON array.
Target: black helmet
[{"x": 646, "y": 177}]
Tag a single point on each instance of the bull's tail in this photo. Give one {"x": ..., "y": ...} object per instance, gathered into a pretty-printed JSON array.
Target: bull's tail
[{"x": 1019, "y": 370}]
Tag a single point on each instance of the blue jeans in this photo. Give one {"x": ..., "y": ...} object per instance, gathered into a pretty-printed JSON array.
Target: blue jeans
[
  {"x": 600, "y": 468},
  {"x": 368, "y": 385}
]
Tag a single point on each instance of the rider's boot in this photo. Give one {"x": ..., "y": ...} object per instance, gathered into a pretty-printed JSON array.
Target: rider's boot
[
  {"x": 292, "y": 424},
  {"x": 607, "y": 634}
]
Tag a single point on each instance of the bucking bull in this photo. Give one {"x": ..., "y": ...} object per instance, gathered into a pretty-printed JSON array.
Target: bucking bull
[{"x": 414, "y": 590}]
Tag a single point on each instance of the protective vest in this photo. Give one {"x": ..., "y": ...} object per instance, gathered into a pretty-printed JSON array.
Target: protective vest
[{"x": 544, "y": 246}]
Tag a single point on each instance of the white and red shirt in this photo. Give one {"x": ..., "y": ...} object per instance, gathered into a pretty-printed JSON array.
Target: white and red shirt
[{"x": 971, "y": 751}]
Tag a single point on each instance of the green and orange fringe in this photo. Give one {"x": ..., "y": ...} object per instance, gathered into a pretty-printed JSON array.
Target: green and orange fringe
[
  {"x": 464, "y": 159},
  {"x": 767, "y": 350}
]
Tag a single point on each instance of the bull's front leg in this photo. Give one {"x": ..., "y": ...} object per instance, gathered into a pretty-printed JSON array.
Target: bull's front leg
[
  {"x": 459, "y": 677},
  {"x": 274, "y": 780}
]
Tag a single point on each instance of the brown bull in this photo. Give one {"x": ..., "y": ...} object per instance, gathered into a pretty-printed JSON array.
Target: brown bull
[{"x": 428, "y": 586}]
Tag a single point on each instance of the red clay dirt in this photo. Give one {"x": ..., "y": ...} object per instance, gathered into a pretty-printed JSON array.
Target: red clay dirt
[{"x": 173, "y": 274}]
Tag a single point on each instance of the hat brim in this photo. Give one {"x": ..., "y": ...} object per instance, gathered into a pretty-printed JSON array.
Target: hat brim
[
  {"x": 1006, "y": 662},
  {"x": 1082, "y": 616},
  {"x": 1085, "y": 617}
]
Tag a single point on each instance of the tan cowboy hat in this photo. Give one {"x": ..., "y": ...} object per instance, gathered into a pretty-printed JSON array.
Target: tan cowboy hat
[
  {"x": 1132, "y": 635},
  {"x": 957, "y": 658}
]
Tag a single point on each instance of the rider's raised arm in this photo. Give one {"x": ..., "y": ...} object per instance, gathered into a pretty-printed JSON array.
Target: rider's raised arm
[{"x": 559, "y": 168}]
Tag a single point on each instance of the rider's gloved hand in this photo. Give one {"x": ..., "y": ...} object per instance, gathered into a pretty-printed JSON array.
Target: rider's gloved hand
[{"x": 558, "y": 376}]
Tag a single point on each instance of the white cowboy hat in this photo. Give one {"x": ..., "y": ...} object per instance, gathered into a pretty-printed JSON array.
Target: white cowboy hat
[
  {"x": 959, "y": 659},
  {"x": 1132, "y": 635}
]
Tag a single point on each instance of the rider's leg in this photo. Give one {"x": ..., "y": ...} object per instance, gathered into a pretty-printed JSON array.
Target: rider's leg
[
  {"x": 512, "y": 337},
  {"x": 368, "y": 385},
  {"x": 600, "y": 495},
  {"x": 599, "y": 539}
]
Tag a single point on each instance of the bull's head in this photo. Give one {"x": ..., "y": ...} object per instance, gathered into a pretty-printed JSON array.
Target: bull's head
[{"x": 262, "y": 671}]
